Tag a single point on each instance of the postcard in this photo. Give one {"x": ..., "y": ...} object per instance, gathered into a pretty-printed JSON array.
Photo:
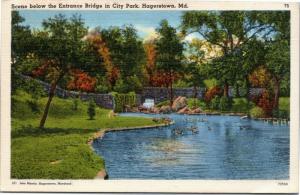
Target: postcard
[{"x": 149, "y": 96}]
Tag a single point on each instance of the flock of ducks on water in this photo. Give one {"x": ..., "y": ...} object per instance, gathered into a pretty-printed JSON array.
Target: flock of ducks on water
[{"x": 194, "y": 128}]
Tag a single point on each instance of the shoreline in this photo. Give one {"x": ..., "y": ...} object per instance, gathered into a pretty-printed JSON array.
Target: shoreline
[{"x": 102, "y": 174}]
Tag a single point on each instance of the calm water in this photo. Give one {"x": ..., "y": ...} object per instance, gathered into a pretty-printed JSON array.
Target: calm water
[{"x": 225, "y": 147}]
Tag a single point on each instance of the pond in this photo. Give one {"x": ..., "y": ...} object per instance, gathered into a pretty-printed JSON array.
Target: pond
[{"x": 198, "y": 147}]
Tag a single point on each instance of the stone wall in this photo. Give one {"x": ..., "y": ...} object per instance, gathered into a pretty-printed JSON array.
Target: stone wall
[
  {"x": 157, "y": 93},
  {"x": 103, "y": 100},
  {"x": 160, "y": 94}
]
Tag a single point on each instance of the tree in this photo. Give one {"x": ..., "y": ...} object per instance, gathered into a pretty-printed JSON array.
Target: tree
[
  {"x": 278, "y": 64},
  {"x": 150, "y": 66},
  {"x": 228, "y": 30},
  {"x": 81, "y": 81},
  {"x": 61, "y": 45},
  {"x": 91, "y": 109},
  {"x": 169, "y": 53},
  {"x": 126, "y": 51},
  {"x": 21, "y": 42}
]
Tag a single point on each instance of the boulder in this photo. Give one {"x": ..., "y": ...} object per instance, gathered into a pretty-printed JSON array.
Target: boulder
[
  {"x": 179, "y": 103},
  {"x": 183, "y": 110},
  {"x": 197, "y": 110},
  {"x": 165, "y": 109},
  {"x": 155, "y": 110}
]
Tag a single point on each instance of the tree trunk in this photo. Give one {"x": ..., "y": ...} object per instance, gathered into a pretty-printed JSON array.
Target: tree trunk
[
  {"x": 50, "y": 97},
  {"x": 237, "y": 90},
  {"x": 276, "y": 93},
  {"x": 195, "y": 91},
  {"x": 195, "y": 96},
  {"x": 171, "y": 93},
  {"x": 226, "y": 89}
]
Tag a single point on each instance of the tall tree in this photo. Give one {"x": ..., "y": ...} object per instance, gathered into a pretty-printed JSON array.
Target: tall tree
[
  {"x": 229, "y": 30},
  {"x": 61, "y": 45},
  {"x": 21, "y": 43},
  {"x": 169, "y": 53},
  {"x": 278, "y": 64},
  {"x": 126, "y": 50}
]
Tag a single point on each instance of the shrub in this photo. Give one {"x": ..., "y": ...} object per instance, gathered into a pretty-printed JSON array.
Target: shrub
[
  {"x": 91, "y": 109},
  {"x": 266, "y": 103},
  {"x": 33, "y": 104},
  {"x": 225, "y": 103},
  {"x": 102, "y": 89},
  {"x": 122, "y": 100},
  {"x": 75, "y": 104},
  {"x": 163, "y": 103},
  {"x": 128, "y": 84},
  {"x": 281, "y": 114},
  {"x": 121, "y": 86},
  {"x": 196, "y": 103},
  {"x": 215, "y": 102},
  {"x": 257, "y": 112},
  {"x": 211, "y": 93}
]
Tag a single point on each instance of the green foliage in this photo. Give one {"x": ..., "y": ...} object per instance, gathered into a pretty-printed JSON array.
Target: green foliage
[
  {"x": 126, "y": 49},
  {"x": 181, "y": 84},
  {"x": 163, "y": 103},
  {"x": 196, "y": 103},
  {"x": 215, "y": 102},
  {"x": 75, "y": 102},
  {"x": 284, "y": 103},
  {"x": 91, "y": 109},
  {"x": 127, "y": 85},
  {"x": 241, "y": 105},
  {"x": 281, "y": 114},
  {"x": 225, "y": 103},
  {"x": 121, "y": 101},
  {"x": 210, "y": 83},
  {"x": 257, "y": 112}
]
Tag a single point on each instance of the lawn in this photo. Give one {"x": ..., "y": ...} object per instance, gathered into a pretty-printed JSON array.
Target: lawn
[{"x": 60, "y": 150}]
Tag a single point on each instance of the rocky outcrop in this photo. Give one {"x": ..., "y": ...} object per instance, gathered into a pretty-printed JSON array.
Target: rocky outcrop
[
  {"x": 184, "y": 110},
  {"x": 179, "y": 103},
  {"x": 165, "y": 109}
]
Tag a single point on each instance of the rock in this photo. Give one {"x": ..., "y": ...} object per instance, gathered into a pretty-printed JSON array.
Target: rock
[
  {"x": 102, "y": 175},
  {"x": 183, "y": 110},
  {"x": 165, "y": 109},
  {"x": 197, "y": 110},
  {"x": 179, "y": 103},
  {"x": 155, "y": 110}
]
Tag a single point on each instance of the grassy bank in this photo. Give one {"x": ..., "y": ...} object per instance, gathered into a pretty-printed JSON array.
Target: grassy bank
[{"x": 60, "y": 151}]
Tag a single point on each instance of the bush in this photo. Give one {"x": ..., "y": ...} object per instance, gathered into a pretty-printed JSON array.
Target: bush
[
  {"x": 266, "y": 103},
  {"x": 91, "y": 110},
  {"x": 241, "y": 105},
  {"x": 122, "y": 100},
  {"x": 257, "y": 112},
  {"x": 281, "y": 114},
  {"x": 128, "y": 84},
  {"x": 215, "y": 102},
  {"x": 225, "y": 103},
  {"x": 211, "y": 93},
  {"x": 196, "y": 103},
  {"x": 75, "y": 104},
  {"x": 163, "y": 103},
  {"x": 33, "y": 104}
]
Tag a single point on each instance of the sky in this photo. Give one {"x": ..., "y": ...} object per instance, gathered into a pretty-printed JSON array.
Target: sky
[{"x": 144, "y": 21}]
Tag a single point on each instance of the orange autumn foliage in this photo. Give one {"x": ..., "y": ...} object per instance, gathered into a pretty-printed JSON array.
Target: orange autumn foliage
[
  {"x": 163, "y": 79},
  {"x": 113, "y": 72},
  {"x": 81, "y": 81},
  {"x": 150, "y": 63},
  {"x": 260, "y": 77}
]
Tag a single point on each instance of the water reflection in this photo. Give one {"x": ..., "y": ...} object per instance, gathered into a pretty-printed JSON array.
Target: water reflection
[{"x": 225, "y": 147}]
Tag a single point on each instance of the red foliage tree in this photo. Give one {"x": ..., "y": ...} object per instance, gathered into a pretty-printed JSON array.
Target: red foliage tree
[
  {"x": 266, "y": 103},
  {"x": 81, "y": 81}
]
